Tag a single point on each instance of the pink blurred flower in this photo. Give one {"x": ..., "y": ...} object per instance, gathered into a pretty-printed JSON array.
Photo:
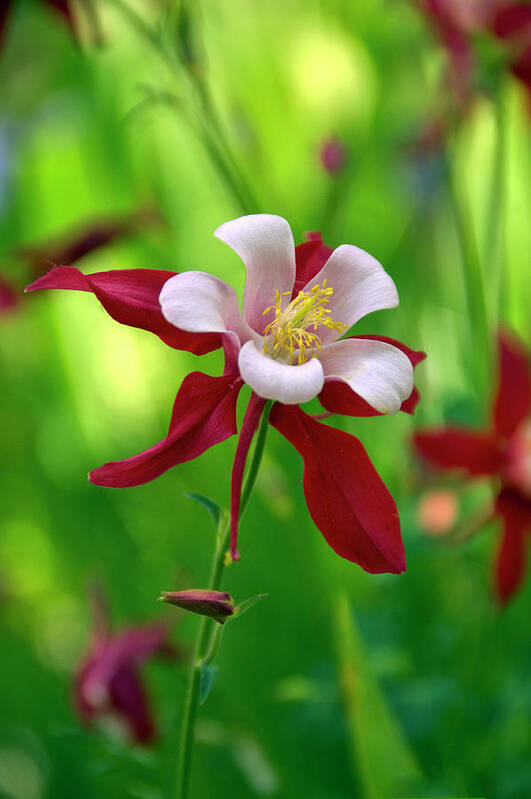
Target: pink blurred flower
[
  {"x": 437, "y": 511},
  {"x": 297, "y": 303},
  {"x": 503, "y": 452},
  {"x": 333, "y": 155},
  {"x": 108, "y": 686}
]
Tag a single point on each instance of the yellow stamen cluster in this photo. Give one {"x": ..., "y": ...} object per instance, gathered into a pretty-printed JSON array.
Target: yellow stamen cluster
[{"x": 289, "y": 331}]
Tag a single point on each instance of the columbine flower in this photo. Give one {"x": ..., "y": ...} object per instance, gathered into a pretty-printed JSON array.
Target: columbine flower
[
  {"x": 502, "y": 452},
  {"x": 107, "y": 686},
  {"x": 286, "y": 346},
  {"x": 215, "y": 604}
]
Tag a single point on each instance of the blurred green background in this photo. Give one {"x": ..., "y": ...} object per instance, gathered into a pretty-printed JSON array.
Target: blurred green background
[{"x": 104, "y": 127}]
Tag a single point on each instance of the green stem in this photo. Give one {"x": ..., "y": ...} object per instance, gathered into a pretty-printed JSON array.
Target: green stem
[
  {"x": 493, "y": 242},
  {"x": 206, "y": 645},
  {"x": 212, "y": 132},
  {"x": 473, "y": 280},
  {"x": 215, "y": 641}
]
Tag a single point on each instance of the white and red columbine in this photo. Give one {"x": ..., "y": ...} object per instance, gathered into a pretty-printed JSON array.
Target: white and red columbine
[{"x": 286, "y": 344}]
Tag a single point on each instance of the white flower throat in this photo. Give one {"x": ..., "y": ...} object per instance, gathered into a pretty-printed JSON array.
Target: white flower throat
[{"x": 292, "y": 334}]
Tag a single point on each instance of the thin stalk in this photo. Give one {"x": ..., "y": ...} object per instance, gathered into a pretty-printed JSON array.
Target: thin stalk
[
  {"x": 206, "y": 643},
  {"x": 493, "y": 242},
  {"x": 473, "y": 280},
  {"x": 217, "y": 148}
]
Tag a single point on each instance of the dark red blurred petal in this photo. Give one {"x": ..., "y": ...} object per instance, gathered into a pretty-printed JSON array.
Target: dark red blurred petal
[
  {"x": 129, "y": 701},
  {"x": 310, "y": 257},
  {"x": 346, "y": 498},
  {"x": 9, "y": 296},
  {"x": 453, "y": 448},
  {"x": 338, "y": 397},
  {"x": 64, "y": 8},
  {"x": 513, "y": 400},
  {"x": 249, "y": 425},
  {"x": 512, "y": 19},
  {"x": 71, "y": 247},
  {"x": 131, "y": 297},
  {"x": 4, "y": 12},
  {"x": 515, "y": 511},
  {"x": 447, "y": 23},
  {"x": 521, "y": 68},
  {"x": 204, "y": 414}
]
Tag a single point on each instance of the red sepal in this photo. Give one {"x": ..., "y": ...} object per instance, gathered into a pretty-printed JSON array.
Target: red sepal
[
  {"x": 131, "y": 297},
  {"x": 515, "y": 511},
  {"x": 453, "y": 448},
  {"x": 204, "y": 414},
  {"x": 346, "y": 498},
  {"x": 513, "y": 400}
]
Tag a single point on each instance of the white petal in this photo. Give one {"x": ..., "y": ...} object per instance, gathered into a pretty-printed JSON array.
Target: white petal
[
  {"x": 201, "y": 303},
  {"x": 265, "y": 244},
  {"x": 377, "y": 371},
  {"x": 360, "y": 285},
  {"x": 280, "y": 381}
]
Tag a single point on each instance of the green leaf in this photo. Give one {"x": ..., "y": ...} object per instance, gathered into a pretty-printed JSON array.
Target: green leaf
[
  {"x": 246, "y": 605},
  {"x": 385, "y": 762},
  {"x": 208, "y": 675},
  {"x": 210, "y": 506}
]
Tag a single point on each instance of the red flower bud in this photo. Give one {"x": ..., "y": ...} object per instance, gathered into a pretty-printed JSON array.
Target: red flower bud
[{"x": 215, "y": 604}]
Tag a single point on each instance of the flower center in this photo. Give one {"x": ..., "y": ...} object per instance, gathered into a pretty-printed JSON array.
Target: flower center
[{"x": 289, "y": 333}]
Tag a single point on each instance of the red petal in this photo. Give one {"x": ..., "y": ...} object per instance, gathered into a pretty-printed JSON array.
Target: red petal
[
  {"x": 204, "y": 414},
  {"x": 515, "y": 511},
  {"x": 346, "y": 498},
  {"x": 512, "y": 19},
  {"x": 249, "y": 425},
  {"x": 453, "y": 448},
  {"x": 338, "y": 397},
  {"x": 310, "y": 257},
  {"x": 513, "y": 400},
  {"x": 129, "y": 701},
  {"x": 131, "y": 297}
]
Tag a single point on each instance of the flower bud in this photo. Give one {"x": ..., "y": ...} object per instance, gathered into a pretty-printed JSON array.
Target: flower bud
[
  {"x": 333, "y": 155},
  {"x": 215, "y": 604}
]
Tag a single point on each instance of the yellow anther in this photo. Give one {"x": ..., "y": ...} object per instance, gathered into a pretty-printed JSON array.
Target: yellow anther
[{"x": 289, "y": 332}]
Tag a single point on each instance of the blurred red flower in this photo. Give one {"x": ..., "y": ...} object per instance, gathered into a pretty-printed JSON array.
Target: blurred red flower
[
  {"x": 503, "y": 452},
  {"x": 108, "y": 687},
  {"x": 456, "y": 22},
  {"x": 357, "y": 376}
]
